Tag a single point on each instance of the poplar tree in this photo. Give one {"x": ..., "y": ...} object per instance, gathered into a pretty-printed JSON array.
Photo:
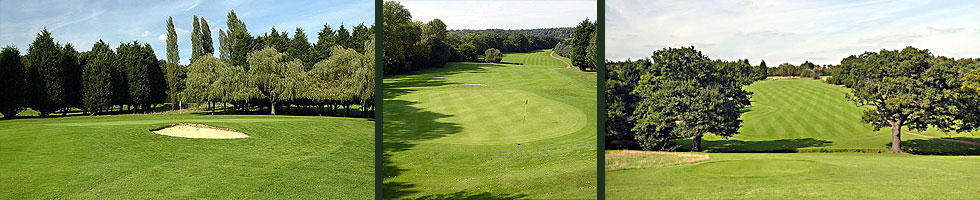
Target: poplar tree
[
  {"x": 207, "y": 44},
  {"x": 172, "y": 68}
]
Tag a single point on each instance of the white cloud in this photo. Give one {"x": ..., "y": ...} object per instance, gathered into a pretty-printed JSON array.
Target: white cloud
[
  {"x": 503, "y": 14},
  {"x": 789, "y": 31},
  {"x": 162, "y": 37},
  {"x": 145, "y": 34}
]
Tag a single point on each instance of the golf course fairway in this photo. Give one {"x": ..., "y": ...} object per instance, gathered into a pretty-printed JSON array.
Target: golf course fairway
[
  {"x": 792, "y": 115},
  {"x": 800, "y": 115},
  {"x": 523, "y": 128},
  {"x": 802, "y": 176},
  {"x": 117, "y": 157}
]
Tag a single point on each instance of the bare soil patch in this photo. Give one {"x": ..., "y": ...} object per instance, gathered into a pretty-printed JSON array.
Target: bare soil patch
[{"x": 200, "y": 131}]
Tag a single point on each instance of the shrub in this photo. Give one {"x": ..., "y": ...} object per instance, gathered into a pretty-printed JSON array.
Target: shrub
[{"x": 493, "y": 56}]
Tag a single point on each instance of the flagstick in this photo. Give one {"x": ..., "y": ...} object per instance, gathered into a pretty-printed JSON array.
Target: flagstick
[{"x": 525, "y": 111}]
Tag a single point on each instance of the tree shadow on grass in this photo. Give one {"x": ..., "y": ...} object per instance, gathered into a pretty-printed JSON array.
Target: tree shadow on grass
[
  {"x": 405, "y": 125},
  {"x": 472, "y": 195},
  {"x": 940, "y": 147},
  {"x": 427, "y": 78},
  {"x": 742, "y": 146}
]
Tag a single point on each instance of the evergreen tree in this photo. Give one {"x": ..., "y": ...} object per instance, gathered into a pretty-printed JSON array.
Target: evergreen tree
[
  {"x": 97, "y": 78},
  {"x": 13, "y": 80},
  {"x": 580, "y": 45},
  {"x": 44, "y": 74},
  {"x": 324, "y": 42},
  {"x": 299, "y": 48},
  {"x": 72, "y": 79}
]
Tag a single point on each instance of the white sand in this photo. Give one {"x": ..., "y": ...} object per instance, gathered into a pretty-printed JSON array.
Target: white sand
[{"x": 200, "y": 131}]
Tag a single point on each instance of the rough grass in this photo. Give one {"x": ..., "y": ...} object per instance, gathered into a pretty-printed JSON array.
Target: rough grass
[
  {"x": 803, "y": 176},
  {"x": 795, "y": 115},
  {"x": 461, "y": 131},
  {"x": 630, "y": 159},
  {"x": 116, "y": 157}
]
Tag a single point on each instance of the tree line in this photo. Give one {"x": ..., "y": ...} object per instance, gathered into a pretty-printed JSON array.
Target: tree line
[
  {"x": 680, "y": 93},
  {"x": 267, "y": 71},
  {"x": 414, "y": 45}
]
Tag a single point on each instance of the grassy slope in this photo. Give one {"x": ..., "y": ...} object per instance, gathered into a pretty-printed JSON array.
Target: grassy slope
[
  {"x": 806, "y": 113},
  {"x": 117, "y": 157},
  {"x": 803, "y": 176},
  {"x": 459, "y": 131}
]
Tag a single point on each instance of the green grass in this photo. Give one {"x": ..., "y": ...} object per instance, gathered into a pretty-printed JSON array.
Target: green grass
[
  {"x": 116, "y": 157},
  {"x": 803, "y": 176},
  {"x": 460, "y": 131},
  {"x": 809, "y": 115},
  {"x": 801, "y": 115}
]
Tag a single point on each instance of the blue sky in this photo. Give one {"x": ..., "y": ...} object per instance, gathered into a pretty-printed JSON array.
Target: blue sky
[
  {"x": 82, "y": 23},
  {"x": 823, "y": 32},
  {"x": 503, "y": 14}
]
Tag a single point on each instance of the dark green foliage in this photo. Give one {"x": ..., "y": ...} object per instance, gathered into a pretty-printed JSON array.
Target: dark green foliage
[
  {"x": 467, "y": 52},
  {"x": 324, "y": 42},
  {"x": 44, "y": 74},
  {"x": 687, "y": 95},
  {"x": 621, "y": 80},
  {"x": 761, "y": 71},
  {"x": 300, "y": 48},
  {"x": 906, "y": 88},
  {"x": 98, "y": 78},
  {"x": 359, "y": 35},
  {"x": 493, "y": 56},
  {"x": 72, "y": 67},
  {"x": 13, "y": 79},
  {"x": 591, "y": 54},
  {"x": 401, "y": 36},
  {"x": 142, "y": 72},
  {"x": 197, "y": 46},
  {"x": 207, "y": 44},
  {"x": 241, "y": 41},
  {"x": 434, "y": 37},
  {"x": 580, "y": 45}
]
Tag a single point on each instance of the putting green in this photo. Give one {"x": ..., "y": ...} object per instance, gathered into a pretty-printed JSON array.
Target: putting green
[
  {"x": 117, "y": 157},
  {"x": 460, "y": 132},
  {"x": 502, "y": 114}
]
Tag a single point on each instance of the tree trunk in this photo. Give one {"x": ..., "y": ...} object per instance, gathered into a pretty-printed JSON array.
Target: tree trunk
[
  {"x": 696, "y": 147},
  {"x": 273, "y": 108},
  {"x": 896, "y": 137}
]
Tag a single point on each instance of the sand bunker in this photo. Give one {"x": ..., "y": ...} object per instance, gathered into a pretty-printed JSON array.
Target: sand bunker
[{"x": 200, "y": 131}]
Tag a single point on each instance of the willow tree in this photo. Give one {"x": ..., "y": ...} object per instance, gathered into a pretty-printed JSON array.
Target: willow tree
[
  {"x": 201, "y": 78},
  {"x": 269, "y": 74}
]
